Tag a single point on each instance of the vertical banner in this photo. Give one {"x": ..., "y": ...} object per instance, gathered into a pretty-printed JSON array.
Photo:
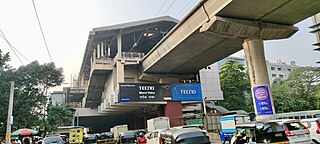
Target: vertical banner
[{"x": 262, "y": 100}]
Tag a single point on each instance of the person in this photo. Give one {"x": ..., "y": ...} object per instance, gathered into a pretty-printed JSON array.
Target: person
[
  {"x": 26, "y": 140},
  {"x": 141, "y": 139}
]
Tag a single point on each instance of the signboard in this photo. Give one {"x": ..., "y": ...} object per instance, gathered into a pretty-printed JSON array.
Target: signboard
[
  {"x": 186, "y": 92},
  {"x": 76, "y": 135},
  {"x": 143, "y": 92},
  {"x": 262, "y": 100}
]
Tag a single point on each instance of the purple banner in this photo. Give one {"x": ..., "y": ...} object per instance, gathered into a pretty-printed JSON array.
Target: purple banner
[{"x": 262, "y": 100}]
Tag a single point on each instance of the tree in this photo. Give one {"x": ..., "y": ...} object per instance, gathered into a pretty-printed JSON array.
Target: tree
[
  {"x": 57, "y": 114},
  {"x": 235, "y": 86},
  {"x": 30, "y": 96},
  {"x": 4, "y": 58},
  {"x": 300, "y": 91}
]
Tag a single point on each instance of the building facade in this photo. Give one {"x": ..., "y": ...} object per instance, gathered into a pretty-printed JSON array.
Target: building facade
[
  {"x": 280, "y": 69},
  {"x": 316, "y": 31},
  {"x": 276, "y": 70}
]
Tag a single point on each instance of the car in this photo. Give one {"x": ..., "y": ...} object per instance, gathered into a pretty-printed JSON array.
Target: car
[
  {"x": 90, "y": 138},
  {"x": 295, "y": 130},
  {"x": 199, "y": 126},
  {"x": 127, "y": 137},
  {"x": 53, "y": 140},
  {"x": 184, "y": 136},
  {"x": 65, "y": 138},
  {"x": 313, "y": 126},
  {"x": 154, "y": 137}
]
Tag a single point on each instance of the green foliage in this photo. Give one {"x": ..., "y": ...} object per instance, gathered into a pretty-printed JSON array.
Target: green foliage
[
  {"x": 3, "y": 59},
  {"x": 299, "y": 92},
  {"x": 30, "y": 95},
  {"x": 57, "y": 114},
  {"x": 235, "y": 86}
]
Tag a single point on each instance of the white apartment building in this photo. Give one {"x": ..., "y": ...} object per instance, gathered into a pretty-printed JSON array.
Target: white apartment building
[{"x": 280, "y": 69}]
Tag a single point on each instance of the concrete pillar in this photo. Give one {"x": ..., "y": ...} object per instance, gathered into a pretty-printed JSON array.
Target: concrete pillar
[
  {"x": 102, "y": 50},
  {"x": 94, "y": 55},
  {"x": 259, "y": 80},
  {"x": 120, "y": 72},
  {"x": 98, "y": 51},
  {"x": 119, "y": 44},
  {"x": 109, "y": 50}
]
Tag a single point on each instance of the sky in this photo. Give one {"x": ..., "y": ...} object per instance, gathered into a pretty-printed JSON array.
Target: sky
[{"x": 66, "y": 25}]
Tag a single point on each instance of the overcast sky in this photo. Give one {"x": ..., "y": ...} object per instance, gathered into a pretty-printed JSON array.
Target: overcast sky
[{"x": 66, "y": 25}]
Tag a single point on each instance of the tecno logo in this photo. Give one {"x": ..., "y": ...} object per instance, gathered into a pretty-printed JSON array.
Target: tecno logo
[
  {"x": 188, "y": 91},
  {"x": 146, "y": 87}
]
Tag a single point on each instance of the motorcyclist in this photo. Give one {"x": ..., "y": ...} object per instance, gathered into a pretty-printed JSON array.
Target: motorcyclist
[{"x": 141, "y": 139}]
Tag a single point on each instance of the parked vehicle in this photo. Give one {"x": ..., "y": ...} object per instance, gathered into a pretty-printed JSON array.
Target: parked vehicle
[
  {"x": 158, "y": 123},
  {"x": 184, "y": 136},
  {"x": 199, "y": 126},
  {"x": 53, "y": 140},
  {"x": 154, "y": 137},
  {"x": 90, "y": 138},
  {"x": 127, "y": 137},
  {"x": 228, "y": 125},
  {"x": 258, "y": 133},
  {"x": 117, "y": 130},
  {"x": 313, "y": 126},
  {"x": 295, "y": 131}
]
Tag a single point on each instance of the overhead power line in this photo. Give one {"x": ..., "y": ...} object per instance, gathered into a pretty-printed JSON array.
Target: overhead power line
[
  {"x": 170, "y": 6},
  {"x": 182, "y": 10},
  {"x": 44, "y": 39},
  {"x": 13, "y": 48},
  {"x": 161, "y": 7}
]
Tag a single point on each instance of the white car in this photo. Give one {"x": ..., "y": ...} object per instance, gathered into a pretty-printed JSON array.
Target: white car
[
  {"x": 154, "y": 137},
  {"x": 314, "y": 127},
  {"x": 295, "y": 131}
]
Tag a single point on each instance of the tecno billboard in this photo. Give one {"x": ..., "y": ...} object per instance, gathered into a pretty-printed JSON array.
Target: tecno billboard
[
  {"x": 143, "y": 92},
  {"x": 186, "y": 92}
]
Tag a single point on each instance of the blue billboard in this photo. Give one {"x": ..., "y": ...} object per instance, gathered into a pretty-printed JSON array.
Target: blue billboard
[
  {"x": 186, "y": 92},
  {"x": 262, "y": 100}
]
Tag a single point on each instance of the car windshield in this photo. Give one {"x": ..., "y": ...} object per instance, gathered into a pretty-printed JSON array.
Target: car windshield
[
  {"x": 52, "y": 140},
  {"x": 294, "y": 126}
]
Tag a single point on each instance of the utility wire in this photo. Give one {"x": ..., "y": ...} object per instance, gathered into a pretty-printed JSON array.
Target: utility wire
[
  {"x": 44, "y": 39},
  {"x": 4, "y": 37},
  {"x": 182, "y": 10},
  {"x": 170, "y": 6},
  {"x": 161, "y": 7}
]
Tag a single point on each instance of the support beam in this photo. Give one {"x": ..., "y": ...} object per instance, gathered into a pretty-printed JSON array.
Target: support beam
[{"x": 259, "y": 80}]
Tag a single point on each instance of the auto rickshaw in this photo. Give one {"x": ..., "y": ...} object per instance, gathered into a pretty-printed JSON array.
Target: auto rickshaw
[
  {"x": 259, "y": 133},
  {"x": 184, "y": 136}
]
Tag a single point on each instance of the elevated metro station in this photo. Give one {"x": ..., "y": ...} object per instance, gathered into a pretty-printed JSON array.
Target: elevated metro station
[{"x": 134, "y": 71}]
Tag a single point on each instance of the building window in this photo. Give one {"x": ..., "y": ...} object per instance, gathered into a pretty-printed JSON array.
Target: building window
[
  {"x": 273, "y": 68},
  {"x": 280, "y": 75},
  {"x": 279, "y": 69},
  {"x": 274, "y": 75},
  {"x": 289, "y": 69}
]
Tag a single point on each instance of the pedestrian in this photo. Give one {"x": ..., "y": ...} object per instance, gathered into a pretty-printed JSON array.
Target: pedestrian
[
  {"x": 25, "y": 140},
  {"x": 141, "y": 139}
]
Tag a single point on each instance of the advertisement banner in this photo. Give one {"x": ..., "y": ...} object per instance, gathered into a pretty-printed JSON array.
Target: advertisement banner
[
  {"x": 186, "y": 92},
  {"x": 143, "y": 92},
  {"x": 262, "y": 100}
]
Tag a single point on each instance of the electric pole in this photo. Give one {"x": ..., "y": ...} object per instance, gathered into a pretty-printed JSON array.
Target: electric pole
[{"x": 10, "y": 118}]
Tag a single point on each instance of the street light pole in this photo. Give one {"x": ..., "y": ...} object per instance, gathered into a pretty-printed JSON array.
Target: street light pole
[
  {"x": 10, "y": 118},
  {"x": 205, "y": 112}
]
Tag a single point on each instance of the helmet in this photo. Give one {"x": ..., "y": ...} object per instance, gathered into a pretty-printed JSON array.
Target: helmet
[{"x": 141, "y": 134}]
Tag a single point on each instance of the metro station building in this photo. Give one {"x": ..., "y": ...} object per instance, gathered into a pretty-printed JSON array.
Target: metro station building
[{"x": 115, "y": 91}]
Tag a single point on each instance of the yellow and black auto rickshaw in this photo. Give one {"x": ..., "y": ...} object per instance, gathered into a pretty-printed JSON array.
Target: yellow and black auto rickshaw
[{"x": 259, "y": 133}]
